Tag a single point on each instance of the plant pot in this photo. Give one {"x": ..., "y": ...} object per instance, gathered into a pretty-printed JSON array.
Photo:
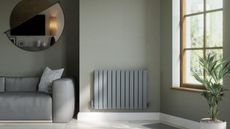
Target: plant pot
[{"x": 206, "y": 123}]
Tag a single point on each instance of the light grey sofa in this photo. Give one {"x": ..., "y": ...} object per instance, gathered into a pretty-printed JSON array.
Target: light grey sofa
[{"x": 20, "y": 100}]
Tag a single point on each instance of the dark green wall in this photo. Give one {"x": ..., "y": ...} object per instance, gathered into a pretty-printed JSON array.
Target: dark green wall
[{"x": 16, "y": 62}]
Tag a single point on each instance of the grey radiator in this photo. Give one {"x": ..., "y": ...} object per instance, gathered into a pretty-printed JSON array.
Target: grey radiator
[{"x": 120, "y": 89}]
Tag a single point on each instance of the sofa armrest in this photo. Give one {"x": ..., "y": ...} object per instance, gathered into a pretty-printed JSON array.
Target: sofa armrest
[{"x": 63, "y": 100}]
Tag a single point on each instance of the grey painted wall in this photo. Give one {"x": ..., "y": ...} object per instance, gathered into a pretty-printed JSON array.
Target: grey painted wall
[
  {"x": 119, "y": 34},
  {"x": 184, "y": 104},
  {"x": 16, "y": 62}
]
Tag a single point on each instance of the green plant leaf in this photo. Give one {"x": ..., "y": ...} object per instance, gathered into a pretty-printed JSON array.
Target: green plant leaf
[{"x": 215, "y": 70}]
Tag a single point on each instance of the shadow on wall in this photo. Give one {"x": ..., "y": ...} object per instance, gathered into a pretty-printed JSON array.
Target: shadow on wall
[
  {"x": 69, "y": 44},
  {"x": 71, "y": 11}
]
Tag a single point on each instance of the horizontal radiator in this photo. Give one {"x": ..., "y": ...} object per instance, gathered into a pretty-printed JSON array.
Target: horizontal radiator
[{"x": 120, "y": 89}]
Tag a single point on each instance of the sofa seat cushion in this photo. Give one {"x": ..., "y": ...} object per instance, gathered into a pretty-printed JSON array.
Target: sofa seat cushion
[{"x": 25, "y": 106}]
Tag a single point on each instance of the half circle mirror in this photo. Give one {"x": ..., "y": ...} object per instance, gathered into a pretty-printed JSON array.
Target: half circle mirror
[{"x": 36, "y": 25}]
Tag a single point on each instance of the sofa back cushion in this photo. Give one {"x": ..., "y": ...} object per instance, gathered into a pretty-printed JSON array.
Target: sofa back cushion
[
  {"x": 21, "y": 84},
  {"x": 2, "y": 84}
]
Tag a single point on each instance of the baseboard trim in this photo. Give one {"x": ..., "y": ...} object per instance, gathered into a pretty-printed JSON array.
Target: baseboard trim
[
  {"x": 141, "y": 116},
  {"x": 98, "y": 116},
  {"x": 26, "y": 121},
  {"x": 165, "y": 118}
]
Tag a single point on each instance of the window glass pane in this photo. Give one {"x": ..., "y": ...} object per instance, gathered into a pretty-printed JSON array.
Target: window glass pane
[
  {"x": 217, "y": 52},
  {"x": 192, "y": 64},
  {"x": 194, "y": 6},
  {"x": 214, "y": 4},
  {"x": 194, "y": 31},
  {"x": 214, "y": 27}
]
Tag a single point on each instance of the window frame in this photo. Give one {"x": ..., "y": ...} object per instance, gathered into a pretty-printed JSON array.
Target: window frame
[{"x": 183, "y": 48}]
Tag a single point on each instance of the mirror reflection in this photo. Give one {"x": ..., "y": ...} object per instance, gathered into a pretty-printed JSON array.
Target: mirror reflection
[{"x": 36, "y": 25}]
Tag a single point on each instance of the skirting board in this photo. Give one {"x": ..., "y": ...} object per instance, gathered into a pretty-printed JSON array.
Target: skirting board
[
  {"x": 105, "y": 116},
  {"x": 165, "y": 118},
  {"x": 150, "y": 116},
  {"x": 25, "y": 121}
]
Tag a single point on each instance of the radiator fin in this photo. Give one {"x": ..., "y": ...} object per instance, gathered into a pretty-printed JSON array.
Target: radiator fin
[{"x": 120, "y": 89}]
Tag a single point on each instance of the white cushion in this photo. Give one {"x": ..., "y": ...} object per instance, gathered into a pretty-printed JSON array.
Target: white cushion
[{"x": 47, "y": 79}]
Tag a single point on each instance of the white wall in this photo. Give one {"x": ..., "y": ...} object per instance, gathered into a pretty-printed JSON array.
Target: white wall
[{"x": 119, "y": 34}]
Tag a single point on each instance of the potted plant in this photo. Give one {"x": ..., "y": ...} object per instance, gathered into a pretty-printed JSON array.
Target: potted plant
[{"x": 215, "y": 70}]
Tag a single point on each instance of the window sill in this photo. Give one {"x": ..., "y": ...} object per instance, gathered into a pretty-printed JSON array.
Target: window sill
[{"x": 188, "y": 89}]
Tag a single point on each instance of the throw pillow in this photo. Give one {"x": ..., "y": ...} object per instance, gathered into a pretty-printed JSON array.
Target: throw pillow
[{"x": 47, "y": 79}]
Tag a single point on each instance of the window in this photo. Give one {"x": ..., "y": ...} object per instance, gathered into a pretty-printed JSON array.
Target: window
[{"x": 201, "y": 33}]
